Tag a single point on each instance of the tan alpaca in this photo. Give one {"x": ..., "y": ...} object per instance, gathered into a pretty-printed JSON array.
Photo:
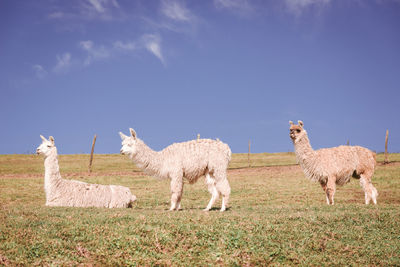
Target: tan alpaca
[
  {"x": 190, "y": 160},
  {"x": 334, "y": 166}
]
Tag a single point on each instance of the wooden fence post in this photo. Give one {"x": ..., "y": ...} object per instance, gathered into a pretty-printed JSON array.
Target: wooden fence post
[
  {"x": 198, "y": 136},
  {"x": 386, "y": 161},
  {"x": 248, "y": 155},
  {"x": 348, "y": 142},
  {"x": 91, "y": 154}
]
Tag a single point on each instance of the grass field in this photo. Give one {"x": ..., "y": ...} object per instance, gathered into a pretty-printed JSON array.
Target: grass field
[{"x": 276, "y": 217}]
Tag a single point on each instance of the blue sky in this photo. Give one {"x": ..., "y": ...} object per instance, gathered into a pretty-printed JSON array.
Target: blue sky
[{"x": 232, "y": 69}]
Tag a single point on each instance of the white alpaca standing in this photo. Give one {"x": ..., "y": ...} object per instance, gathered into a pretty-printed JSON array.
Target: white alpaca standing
[
  {"x": 334, "y": 166},
  {"x": 71, "y": 193},
  {"x": 190, "y": 160}
]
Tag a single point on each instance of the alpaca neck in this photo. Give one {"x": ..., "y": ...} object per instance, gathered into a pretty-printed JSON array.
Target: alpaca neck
[
  {"x": 304, "y": 151},
  {"x": 147, "y": 159},
  {"x": 51, "y": 170}
]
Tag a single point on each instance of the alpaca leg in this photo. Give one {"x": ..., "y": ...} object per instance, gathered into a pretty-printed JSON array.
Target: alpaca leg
[
  {"x": 374, "y": 194},
  {"x": 324, "y": 188},
  {"x": 225, "y": 190},
  {"x": 210, "y": 181},
  {"x": 369, "y": 190},
  {"x": 176, "y": 190},
  {"x": 178, "y": 203},
  {"x": 330, "y": 190},
  {"x": 225, "y": 194}
]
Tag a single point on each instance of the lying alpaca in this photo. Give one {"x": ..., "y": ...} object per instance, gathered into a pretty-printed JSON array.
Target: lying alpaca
[
  {"x": 71, "y": 193},
  {"x": 190, "y": 160},
  {"x": 334, "y": 166}
]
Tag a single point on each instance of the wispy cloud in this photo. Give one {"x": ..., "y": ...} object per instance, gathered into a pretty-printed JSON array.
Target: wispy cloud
[
  {"x": 63, "y": 63},
  {"x": 94, "y": 53},
  {"x": 40, "y": 72},
  {"x": 149, "y": 42},
  {"x": 97, "y": 5},
  {"x": 99, "y": 9},
  {"x": 101, "y": 6},
  {"x": 240, "y": 7},
  {"x": 175, "y": 10},
  {"x": 129, "y": 46},
  {"x": 88, "y": 10},
  {"x": 297, "y": 7},
  {"x": 174, "y": 16},
  {"x": 152, "y": 43}
]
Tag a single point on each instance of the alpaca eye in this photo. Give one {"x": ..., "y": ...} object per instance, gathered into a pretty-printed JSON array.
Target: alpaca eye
[{"x": 298, "y": 130}]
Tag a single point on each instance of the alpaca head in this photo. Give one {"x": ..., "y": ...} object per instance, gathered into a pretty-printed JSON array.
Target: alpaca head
[
  {"x": 46, "y": 147},
  {"x": 129, "y": 143},
  {"x": 297, "y": 131}
]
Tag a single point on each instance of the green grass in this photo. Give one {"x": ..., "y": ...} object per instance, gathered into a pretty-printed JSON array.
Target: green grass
[{"x": 277, "y": 217}]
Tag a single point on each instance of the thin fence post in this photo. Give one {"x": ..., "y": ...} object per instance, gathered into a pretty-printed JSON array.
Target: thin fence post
[
  {"x": 348, "y": 142},
  {"x": 248, "y": 155},
  {"x": 386, "y": 161},
  {"x": 91, "y": 154},
  {"x": 198, "y": 136}
]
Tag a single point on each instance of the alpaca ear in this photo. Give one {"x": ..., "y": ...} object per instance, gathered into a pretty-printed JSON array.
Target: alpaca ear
[
  {"x": 291, "y": 122},
  {"x": 301, "y": 123},
  {"x": 122, "y": 136},
  {"x": 133, "y": 133},
  {"x": 43, "y": 138},
  {"x": 51, "y": 138}
]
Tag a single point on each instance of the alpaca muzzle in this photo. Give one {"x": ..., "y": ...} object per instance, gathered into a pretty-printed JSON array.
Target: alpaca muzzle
[{"x": 292, "y": 135}]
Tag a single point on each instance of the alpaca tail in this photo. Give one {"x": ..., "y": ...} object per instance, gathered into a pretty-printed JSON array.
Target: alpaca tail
[
  {"x": 374, "y": 155},
  {"x": 227, "y": 151}
]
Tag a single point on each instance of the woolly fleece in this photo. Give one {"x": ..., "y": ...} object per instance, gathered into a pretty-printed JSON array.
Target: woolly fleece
[
  {"x": 190, "y": 160},
  {"x": 71, "y": 193},
  {"x": 334, "y": 166}
]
